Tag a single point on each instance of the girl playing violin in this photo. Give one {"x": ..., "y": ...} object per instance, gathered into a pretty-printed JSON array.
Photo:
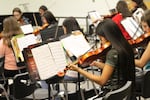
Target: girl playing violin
[
  {"x": 49, "y": 18},
  {"x": 22, "y": 20},
  {"x": 144, "y": 61},
  {"x": 119, "y": 63}
]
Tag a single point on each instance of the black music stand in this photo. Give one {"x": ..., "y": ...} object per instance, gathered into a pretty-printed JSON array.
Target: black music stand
[
  {"x": 53, "y": 80},
  {"x": 33, "y": 70},
  {"x": 52, "y": 33}
]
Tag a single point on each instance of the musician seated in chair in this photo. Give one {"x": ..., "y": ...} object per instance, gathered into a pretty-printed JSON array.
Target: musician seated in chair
[
  {"x": 22, "y": 20},
  {"x": 42, "y": 9},
  {"x": 49, "y": 18},
  {"x": 119, "y": 65},
  {"x": 51, "y": 23},
  {"x": 144, "y": 60},
  {"x": 10, "y": 28},
  {"x": 138, "y": 9}
]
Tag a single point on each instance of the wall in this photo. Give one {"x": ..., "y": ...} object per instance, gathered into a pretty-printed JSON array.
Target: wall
[{"x": 59, "y": 7}]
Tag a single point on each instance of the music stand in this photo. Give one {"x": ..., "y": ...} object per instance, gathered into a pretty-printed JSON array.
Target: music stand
[
  {"x": 35, "y": 71},
  {"x": 52, "y": 33}
]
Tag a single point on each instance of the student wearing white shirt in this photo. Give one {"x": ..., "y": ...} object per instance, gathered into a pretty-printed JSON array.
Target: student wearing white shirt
[{"x": 138, "y": 9}]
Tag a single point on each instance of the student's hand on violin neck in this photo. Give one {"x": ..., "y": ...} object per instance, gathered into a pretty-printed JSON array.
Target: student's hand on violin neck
[{"x": 73, "y": 67}]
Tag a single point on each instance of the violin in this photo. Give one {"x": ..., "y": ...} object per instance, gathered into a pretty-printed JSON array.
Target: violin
[
  {"x": 37, "y": 31},
  {"x": 140, "y": 40},
  {"x": 87, "y": 58}
]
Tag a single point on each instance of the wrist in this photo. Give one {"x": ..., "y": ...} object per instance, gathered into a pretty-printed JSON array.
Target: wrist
[{"x": 78, "y": 69}]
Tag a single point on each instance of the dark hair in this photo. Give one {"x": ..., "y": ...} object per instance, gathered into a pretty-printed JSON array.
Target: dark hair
[
  {"x": 140, "y": 4},
  {"x": 17, "y": 10},
  {"x": 49, "y": 17},
  {"x": 112, "y": 33},
  {"x": 146, "y": 17},
  {"x": 43, "y": 7},
  {"x": 71, "y": 24},
  {"x": 122, "y": 8}
]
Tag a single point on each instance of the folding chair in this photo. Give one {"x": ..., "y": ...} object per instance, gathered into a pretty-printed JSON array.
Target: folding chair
[
  {"x": 145, "y": 86},
  {"x": 2, "y": 78},
  {"x": 123, "y": 93},
  {"x": 22, "y": 86}
]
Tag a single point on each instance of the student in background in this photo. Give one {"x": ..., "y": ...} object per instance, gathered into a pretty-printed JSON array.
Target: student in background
[
  {"x": 42, "y": 9},
  {"x": 10, "y": 28},
  {"x": 123, "y": 12},
  {"x": 138, "y": 4},
  {"x": 22, "y": 20},
  {"x": 71, "y": 26},
  {"x": 49, "y": 18},
  {"x": 138, "y": 9},
  {"x": 120, "y": 56},
  {"x": 52, "y": 31},
  {"x": 144, "y": 60},
  {"x": 145, "y": 21}
]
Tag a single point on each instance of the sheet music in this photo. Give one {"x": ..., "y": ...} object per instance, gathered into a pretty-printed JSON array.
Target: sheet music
[
  {"x": 44, "y": 61},
  {"x": 76, "y": 44},
  {"x": 49, "y": 59},
  {"x": 94, "y": 15},
  {"x": 132, "y": 27},
  {"x": 25, "y": 41},
  {"x": 16, "y": 49},
  {"x": 21, "y": 41},
  {"x": 27, "y": 28},
  {"x": 58, "y": 55}
]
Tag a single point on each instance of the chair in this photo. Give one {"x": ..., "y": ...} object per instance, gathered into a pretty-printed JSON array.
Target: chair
[
  {"x": 75, "y": 81},
  {"x": 2, "y": 77},
  {"x": 145, "y": 86},
  {"x": 123, "y": 93},
  {"x": 22, "y": 86}
]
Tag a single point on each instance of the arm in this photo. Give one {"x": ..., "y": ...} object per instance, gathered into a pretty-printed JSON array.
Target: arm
[
  {"x": 99, "y": 79},
  {"x": 144, "y": 59},
  {"x": 98, "y": 64}
]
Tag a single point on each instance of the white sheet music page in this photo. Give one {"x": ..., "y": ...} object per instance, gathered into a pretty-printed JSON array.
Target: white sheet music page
[
  {"x": 76, "y": 44},
  {"x": 58, "y": 55},
  {"x": 132, "y": 27},
  {"x": 44, "y": 61},
  {"x": 94, "y": 15},
  {"x": 25, "y": 41},
  {"x": 27, "y": 28}
]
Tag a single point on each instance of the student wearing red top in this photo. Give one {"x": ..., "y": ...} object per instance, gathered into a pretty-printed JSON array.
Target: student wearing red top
[{"x": 123, "y": 12}]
